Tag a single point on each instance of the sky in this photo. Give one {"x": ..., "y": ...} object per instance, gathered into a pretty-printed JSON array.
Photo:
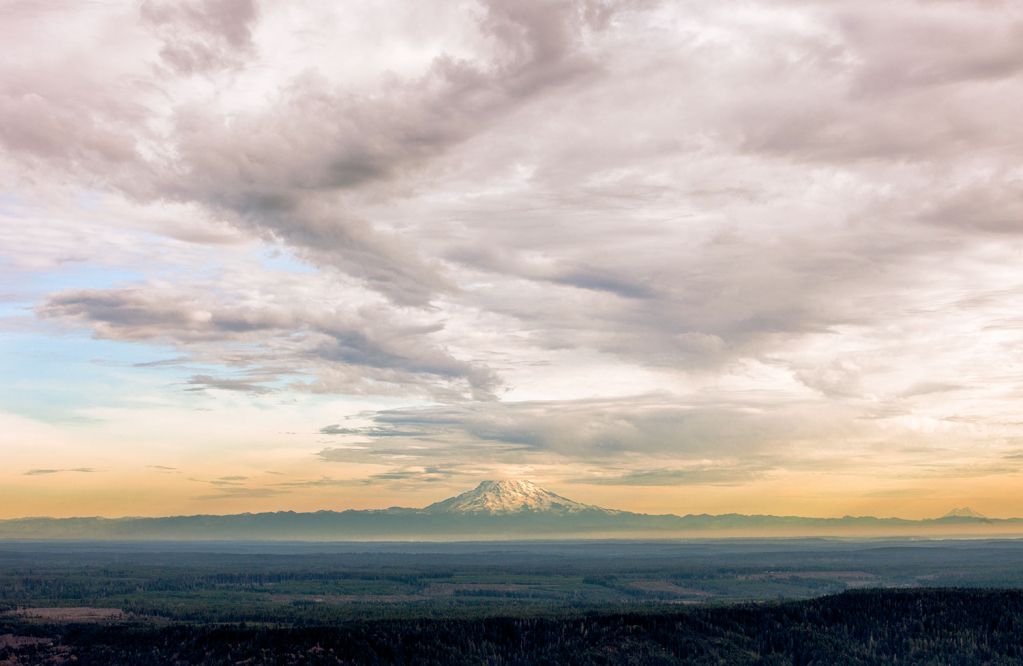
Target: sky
[{"x": 759, "y": 256}]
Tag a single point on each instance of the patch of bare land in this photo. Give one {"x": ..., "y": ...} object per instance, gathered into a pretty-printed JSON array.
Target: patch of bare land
[
  {"x": 71, "y": 614},
  {"x": 344, "y": 598},
  {"x": 944, "y": 574},
  {"x": 22, "y": 650},
  {"x": 12, "y": 641},
  {"x": 453, "y": 588},
  {"x": 665, "y": 586},
  {"x": 824, "y": 575},
  {"x": 431, "y": 591}
]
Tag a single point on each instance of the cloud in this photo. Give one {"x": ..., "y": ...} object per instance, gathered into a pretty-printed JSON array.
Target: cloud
[
  {"x": 426, "y": 474},
  {"x": 951, "y": 470},
  {"x": 684, "y": 242},
  {"x": 322, "y": 482},
  {"x": 234, "y": 487},
  {"x": 662, "y": 439},
  {"x": 991, "y": 204},
  {"x": 654, "y": 439},
  {"x": 395, "y": 477},
  {"x": 203, "y": 382},
  {"x": 899, "y": 493},
  {"x": 675, "y": 477},
  {"x": 240, "y": 493},
  {"x": 837, "y": 380},
  {"x": 284, "y": 170},
  {"x": 336, "y": 429},
  {"x": 200, "y": 36},
  {"x": 589, "y": 261},
  {"x": 344, "y": 350},
  {"x": 930, "y": 388},
  {"x": 40, "y": 472}
]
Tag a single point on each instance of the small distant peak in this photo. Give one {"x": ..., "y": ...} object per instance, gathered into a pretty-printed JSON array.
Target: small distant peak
[{"x": 964, "y": 512}]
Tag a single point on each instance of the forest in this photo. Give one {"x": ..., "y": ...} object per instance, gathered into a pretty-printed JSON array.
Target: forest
[
  {"x": 731, "y": 602},
  {"x": 925, "y": 626}
]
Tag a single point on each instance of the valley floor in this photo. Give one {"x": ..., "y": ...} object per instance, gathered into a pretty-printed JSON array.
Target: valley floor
[
  {"x": 804, "y": 601},
  {"x": 929, "y": 626}
]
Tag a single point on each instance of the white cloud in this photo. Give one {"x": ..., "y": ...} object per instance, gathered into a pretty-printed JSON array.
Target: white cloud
[{"x": 815, "y": 204}]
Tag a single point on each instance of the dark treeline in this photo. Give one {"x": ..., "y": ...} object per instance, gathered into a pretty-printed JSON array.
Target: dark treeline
[
  {"x": 24, "y": 586},
  {"x": 939, "y": 626}
]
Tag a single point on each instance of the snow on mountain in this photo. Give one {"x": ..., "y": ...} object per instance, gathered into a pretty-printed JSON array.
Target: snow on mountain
[
  {"x": 965, "y": 512},
  {"x": 509, "y": 497}
]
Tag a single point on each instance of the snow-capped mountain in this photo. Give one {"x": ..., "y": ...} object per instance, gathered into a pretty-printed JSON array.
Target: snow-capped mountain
[
  {"x": 510, "y": 497},
  {"x": 492, "y": 510},
  {"x": 964, "y": 512}
]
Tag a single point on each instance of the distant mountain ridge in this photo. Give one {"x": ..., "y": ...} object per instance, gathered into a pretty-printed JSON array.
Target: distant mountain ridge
[{"x": 492, "y": 510}]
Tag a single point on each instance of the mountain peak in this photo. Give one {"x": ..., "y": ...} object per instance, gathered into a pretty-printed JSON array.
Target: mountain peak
[
  {"x": 964, "y": 512},
  {"x": 507, "y": 497}
]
